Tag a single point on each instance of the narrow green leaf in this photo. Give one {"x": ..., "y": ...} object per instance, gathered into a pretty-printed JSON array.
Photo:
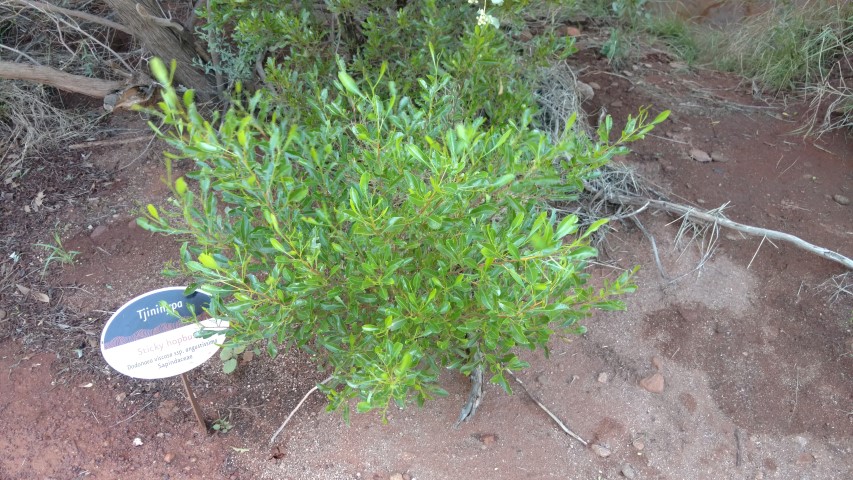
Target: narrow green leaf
[
  {"x": 595, "y": 226},
  {"x": 349, "y": 83},
  {"x": 277, "y": 245},
  {"x": 208, "y": 261},
  {"x": 153, "y": 212},
  {"x": 567, "y": 226},
  {"x": 180, "y": 186}
]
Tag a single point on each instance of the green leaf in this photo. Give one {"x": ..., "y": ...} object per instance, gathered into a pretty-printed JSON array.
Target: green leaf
[
  {"x": 180, "y": 186},
  {"x": 153, "y": 212},
  {"x": 567, "y": 226},
  {"x": 504, "y": 180},
  {"x": 661, "y": 117},
  {"x": 349, "y": 83},
  {"x": 229, "y": 365},
  {"x": 595, "y": 226},
  {"x": 295, "y": 196},
  {"x": 277, "y": 245},
  {"x": 208, "y": 261},
  {"x": 158, "y": 69}
]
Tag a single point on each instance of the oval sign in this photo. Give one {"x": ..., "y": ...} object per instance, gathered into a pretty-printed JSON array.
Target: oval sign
[{"x": 144, "y": 340}]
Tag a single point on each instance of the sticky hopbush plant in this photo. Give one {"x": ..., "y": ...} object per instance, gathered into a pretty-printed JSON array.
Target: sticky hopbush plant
[{"x": 385, "y": 238}]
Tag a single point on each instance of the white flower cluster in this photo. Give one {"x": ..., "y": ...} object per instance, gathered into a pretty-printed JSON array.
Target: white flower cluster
[{"x": 484, "y": 18}]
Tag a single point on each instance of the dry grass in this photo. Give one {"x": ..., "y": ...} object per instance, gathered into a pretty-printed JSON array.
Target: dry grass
[
  {"x": 31, "y": 122},
  {"x": 559, "y": 99},
  {"x": 32, "y": 118},
  {"x": 804, "y": 48}
]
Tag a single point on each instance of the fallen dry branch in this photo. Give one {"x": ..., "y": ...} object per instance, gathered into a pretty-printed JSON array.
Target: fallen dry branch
[
  {"x": 295, "y": 409},
  {"x": 92, "y": 87},
  {"x": 692, "y": 213},
  {"x": 115, "y": 141},
  {"x": 88, "y": 17},
  {"x": 559, "y": 423}
]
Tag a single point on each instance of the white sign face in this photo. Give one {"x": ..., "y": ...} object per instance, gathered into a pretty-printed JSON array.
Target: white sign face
[{"x": 144, "y": 340}]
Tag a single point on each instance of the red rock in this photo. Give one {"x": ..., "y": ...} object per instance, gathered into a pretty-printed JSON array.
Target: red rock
[
  {"x": 700, "y": 155},
  {"x": 654, "y": 383},
  {"x": 98, "y": 231},
  {"x": 567, "y": 31}
]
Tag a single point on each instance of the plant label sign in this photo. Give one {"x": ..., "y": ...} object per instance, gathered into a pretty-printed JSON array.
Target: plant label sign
[{"x": 144, "y": 339}]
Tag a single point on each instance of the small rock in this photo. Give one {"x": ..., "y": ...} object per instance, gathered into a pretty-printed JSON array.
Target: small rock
[
  {"x": 602, "y": 377},
  {"x": 137, "y": 442},
  {"x": 638, "y": 444},
  {"x": 628, "y": 471},
  {"x": 803, "y": 441},
  {"x": 700, "y": 155},
  {"x": 98, "y": 231},
  {"x": 601, "y": 450},
  {"x": 193, "y": 459},
  {"x": 841, "y": 199},
  {"x": 719, "y": 157},
  {"x": 616, "y": 104},
  {"x": 567, "y": 31},
  {"x": 657, "y": 362},
  {"x": 594, "y": 86},
  {"x": 805, "y": 459},
  {"x": 722, "y": 329},
  {"x": 586, "y": 91},
  {"x": 121, "y": 396},
  {"x": 396, "y": 476},
  {"x": 525, "y": 36},
  {"x": 654, "y": 383},
  {"x": 169, "y": 457},
  {"x": 488, "y": 439}
]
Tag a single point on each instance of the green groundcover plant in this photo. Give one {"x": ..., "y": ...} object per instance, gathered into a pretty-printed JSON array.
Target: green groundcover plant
[{"x": 386, "y": 230}]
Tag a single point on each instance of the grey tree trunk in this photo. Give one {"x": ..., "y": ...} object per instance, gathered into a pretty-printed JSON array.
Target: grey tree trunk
[{"x": 165, "y": 39}]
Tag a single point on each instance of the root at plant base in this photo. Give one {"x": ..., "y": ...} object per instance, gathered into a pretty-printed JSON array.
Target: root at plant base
[{"x": 474, "y": 398}]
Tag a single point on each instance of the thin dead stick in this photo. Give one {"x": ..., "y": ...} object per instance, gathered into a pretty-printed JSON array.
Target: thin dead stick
[
  {"x": 562, "y": 426},
  {"x": 135, "y": 414},
  {"x": 695, "y": 214},
  {"x": 739, "y": 443},
  {"x": 101, "y": 143},
  {"x": 298, "y": 406},
  {"x": 756, "y": 252},
  {"x": 76, "y": 13}
]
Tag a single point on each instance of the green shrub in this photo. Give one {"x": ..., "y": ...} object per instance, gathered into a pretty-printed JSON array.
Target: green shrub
[
  {"x": 391, "y": 226},
  {"x": 386, "y": 238}
]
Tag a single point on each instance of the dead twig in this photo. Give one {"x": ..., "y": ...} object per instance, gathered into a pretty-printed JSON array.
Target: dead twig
[
  {"x": 720, "y": 219},
  {"x": 75, "y": 13},
  {"x": 562, "y": 426},
  {"x": 135, "y": 414},
  {"x": 295, "y": 409},
  {"x": 101, "y": 143},
  {"x": 739, "y": 444},
  {"x": 838, "y": 286}
]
